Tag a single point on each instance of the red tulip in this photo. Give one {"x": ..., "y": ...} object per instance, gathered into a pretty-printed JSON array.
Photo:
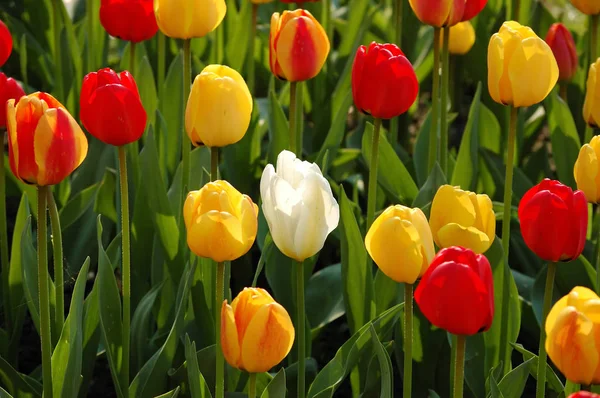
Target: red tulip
[
  {"x": 111, "y": 108},
  {"x": 9, "y": 89},
  {"x": 473, "y": 8},
  {"x": 6, "y": 43},
  {"x": 384, "y": 83},
  {"x": 584, "y": 394},
  {"x": 562, "y": 44},
  {"x": 131, "y": 20},
  {"x": 554, "y": 221},
  {"x": 457, "y": 292}
]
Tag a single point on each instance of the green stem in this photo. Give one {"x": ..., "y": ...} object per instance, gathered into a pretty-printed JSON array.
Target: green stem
[
  {"x": 59, "y": 316},
  {"x": 161, "y": 62},
  {"x": 300, "y": 118},
  {"x": 408, "y": 339},
  {"x": 4, "y": 243},
  {"x": 433, "y": 151},
  {"x": 372, "y": 190},
  {"x": 126, "y": 263},
  {"x": 185, "y": 141},
  {"x": 394, "y": 132},
  {"x": 563, "y": 90},
  {"x": 251, "y": 68},
  {"x": 91, "y": 17},
  {"x": 220, "y": 371},
  {"x": 594, "y": 38},
  {"x": 541, "y": 369},
  {"x": 214, "y": 163},
  {"x": 512, "y": 132},
  {"x": 292, "y": 121},
  {"x": 571, "y": 387},
  {"x": 220, "y": 38},
  {"x": 459, "y": 366},
  {"x": 45, "y": 332},
  {"x": 326, "y": 18},
  {"x": 444, "y": 102},
  {"x": 132, "y": 58},
  {"x": 58, "y": 76},
  {"x": 252, "y": 386},
  {"x": 300, "y": 328}
]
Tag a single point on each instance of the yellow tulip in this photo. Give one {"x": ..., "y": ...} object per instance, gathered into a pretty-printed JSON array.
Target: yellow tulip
[
  {"x": 462, "y": 218},
  {"x": 588, "y": 7},
  {"x": 522, "y": 69},
  {"x": 221, "y": 223},
  {"x": 256, "y": 332},
  {"x": 219, "y": 107},
  {"x": 573, "y": 336},
  {"x": 591, "y": 106},
  {"x": 185, "y": 19},
  {"x": 400, "y": 243},
  {"x": 462, "y": 38},
  {"x": 587, "y": 170}
]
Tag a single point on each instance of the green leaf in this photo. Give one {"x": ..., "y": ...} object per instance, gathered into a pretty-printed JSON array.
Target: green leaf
[
  {"x": 357, "y": 278},
  {"x": 392, "y": 174},
  {"x": 105, "y": 198},
  {"x": 495, "y": 164},
  {"x": 19, "y": 385},
  {"x": 513, "y": 384},
  {"x": 324, "y": 297},
  {"x": 141, "y": 327},
  {"x": 147, "y": 88},
  {"x": 347, "y": 357},
  {"x": 494, "y": 387},
  {"x": 435, "y": 180},
  {"x": 276, "y": 388},
  {"x": 109, "y": 303},
  {"x": 385, "y": 364},
  {"x": 66, "y": 358},
  {"x": 91, "y": 337},
  {"x": 552, "y": 380},
  {"x": 563, "y": 134},
  {"x": 335, "y": 135},
  {"x": 171, "y": 394},
  {"x": 279, "y": 138},
  {"x": 78, "y": 205},
  {"x": 467, "y": 162},
  {"x": 197, "y": 384},
  {"x": 171, "y": 110}
]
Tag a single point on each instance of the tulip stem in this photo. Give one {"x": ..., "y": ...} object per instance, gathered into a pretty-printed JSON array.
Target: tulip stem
[
  {"x": 508, "y": 182},
  {"x": 161, "y": 63},
  {"x": 300, "y": 328},
  {"x": 459, "y": 366},
  {"x": 540, "y": 391},
  {"x": 59, "y": 317},
  {"x": 594, "y": 38},
  {"x": 220, "y": 374},
  {"x": 45, "y": 330},
  {"x": 372, "y": 190},
  {"x": 252, "y": 386},
  {"x": 435, "y": 75},
  {"x": 292, "y": 121},
  {"x": 126, "y": 264},
  {"x": 444, "y": 102},
  {"x": 4, "y": 242},
  {"x": 58, "y": 77},
  {"x": 408, "y": 339},
  {"x": 132, "y": 58},
  {"x": 214, "y": 163},
  {"x": 91, "y": 16},
  {"x": 251, "y": 72},
  {"x": 185, "y": 142}
]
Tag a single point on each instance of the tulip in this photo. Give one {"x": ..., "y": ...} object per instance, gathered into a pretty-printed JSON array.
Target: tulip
[
  {"x": 131, "y": 20},
  {"x": 45, "y": 143},
  {"x": 384, "y": 83},
  {"x": 185, "y": 19},
  {"x": 400, "y": 243},
  {"x": 591, "y": 105},
  {"x": 473, "y": 8},
  {"x": 587, "y": 170},
  {"x": 562, "y": 45},
  {"x": 9, "y": 89},
  {"x": 221, "y": 223},
  {"x": 462, "y": 218},
  {"x": 298, "y": 46},
  {"x": 257, "y": 332},
  {"x": 462, "y": 38},
  {"x": 584, "y": 394},
  {"x": 438, "y": 13},
  {"x": 456, "y": 293},
  {"x": 554, "y": 221},
  {"x": 298, "y": 205},
  {"x": 6, "y": 43},
  {"x": 521, "y": 67},
  {"x": 573, "y": 328},
  {"x": 111, "y": 108},
  {"x": 588, "y": 7},
  {"x": 219, "y": 107}
]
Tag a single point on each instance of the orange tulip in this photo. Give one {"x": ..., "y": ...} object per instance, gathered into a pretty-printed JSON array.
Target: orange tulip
[
  {"x": 298, "y": 45},
  {"x": 45, "y": 143}
]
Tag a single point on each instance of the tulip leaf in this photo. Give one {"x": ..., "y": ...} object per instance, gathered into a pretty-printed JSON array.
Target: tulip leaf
[
  {"x": 78, "y": 205},
  {"x": 91, "y": 337},
  {"x": 392, "y": 173},
  {"x": 279, "y": 138},
  {"x": 357, "y": 276},
  {"x": 147, "y": 88},
  {"x": 552, "y": 380},
  {"x": 18, "y": 384},
  {"x": 385, "y": 364},
  {"x": 324, "y": 297},
  {"x": 335, "y": 135},
  {"x": 348, "y": 356},
  {"x": 171, "y": 394},
  {"x": 197, "y": 384},
  {"x": 276, "y": 387},
  {"x": 171, "y": 108},
  {"x": 466, "y": 168},
  {"x": 564, "y": 138},
  {"x": 513, "y": 384},
  {"x": 435, "y": 180},
  {"x": 357, "y": 24},
  {"x": 105, "y": 198},
  {"x": 66, "y": 358},
  {"x": 495, "y": 391},
  {"x": 496, "y": 167},
  {"x": 141, "y": 327}
]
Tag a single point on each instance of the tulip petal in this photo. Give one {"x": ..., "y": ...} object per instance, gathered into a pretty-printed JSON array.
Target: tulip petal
[
  {"x": 419, "y": 221},
  {"x": 496, "y": 69},
  {"x": 218, "y": 236},
  {"x": 453, "y": 234},
  {"x": 586, "y": 173},
  {"x": 591, "y": 105},
  {"x": 268, "y": 339},
  {"x": 357, "y": 76},
  {"x": 246, "y": 305},
  {"x": 463, "y": 212},
  {"x": 230, "y": 342}
]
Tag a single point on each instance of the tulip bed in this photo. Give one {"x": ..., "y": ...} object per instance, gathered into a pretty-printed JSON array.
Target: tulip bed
[{"x": 220, "y": 198}]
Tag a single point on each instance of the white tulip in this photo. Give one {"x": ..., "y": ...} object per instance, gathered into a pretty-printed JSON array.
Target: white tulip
[{"x": 299, "y": 206}]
